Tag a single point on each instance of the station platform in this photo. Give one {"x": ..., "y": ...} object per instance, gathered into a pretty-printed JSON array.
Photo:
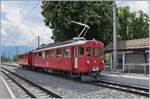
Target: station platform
[
  {"x": 126, "y": 78},
  {"x": 5, "y": 91}
]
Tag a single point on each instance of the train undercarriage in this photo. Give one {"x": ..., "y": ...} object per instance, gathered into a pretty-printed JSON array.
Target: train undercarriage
[{"x": 90, "y": 76}]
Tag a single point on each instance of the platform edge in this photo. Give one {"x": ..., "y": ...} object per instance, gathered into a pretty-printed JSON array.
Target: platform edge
[{"x": 9, "y": 90}]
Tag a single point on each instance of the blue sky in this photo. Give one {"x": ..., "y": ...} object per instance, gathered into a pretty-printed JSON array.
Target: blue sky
[{"x": 22, "y": 22}]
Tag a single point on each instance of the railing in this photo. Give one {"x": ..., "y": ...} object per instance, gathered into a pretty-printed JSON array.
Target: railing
[{"x": 140, "y": 68}]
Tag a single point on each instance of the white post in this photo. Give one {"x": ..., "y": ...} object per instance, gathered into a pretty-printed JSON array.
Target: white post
[
  {"x": 123, "y": 58},
  {"x": 114, "y": 37},
  {"x": 149, "y": 42},
  {"x": 0, "y": 53},
  {"x": 111, "y": 62},
  {"x": 38, "y": 41}
]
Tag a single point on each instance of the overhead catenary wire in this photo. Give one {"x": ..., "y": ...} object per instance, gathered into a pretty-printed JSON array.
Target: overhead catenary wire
[
  {"x": 26, "y": 4},
  {"x": 25, "y": 18}
]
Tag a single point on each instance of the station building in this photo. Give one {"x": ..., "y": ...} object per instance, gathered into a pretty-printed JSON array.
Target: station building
[{"x": 132, "y": 55}]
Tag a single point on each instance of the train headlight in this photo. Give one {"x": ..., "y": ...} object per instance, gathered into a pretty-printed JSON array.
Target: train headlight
[
  {"x": 88, "y": 61},
  {"x": 95, "y": 69},
  {"x": 102, "y": 61}
]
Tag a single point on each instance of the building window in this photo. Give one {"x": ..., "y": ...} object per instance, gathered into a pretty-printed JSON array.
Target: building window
[
  {"x": 66, "y": 52},
  {"x": 81, "y": 51},
  {"x": 147, "y": 57}
]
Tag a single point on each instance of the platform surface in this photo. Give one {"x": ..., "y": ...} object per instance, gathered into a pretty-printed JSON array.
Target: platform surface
[
  {"x": 4, "y": 91},
  {"x": 126, "y": 78}
]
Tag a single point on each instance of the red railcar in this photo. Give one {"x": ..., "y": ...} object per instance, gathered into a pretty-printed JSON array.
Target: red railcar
[
  {"x": 77, "y": 56},
  {"x": 26, "y": 59}
]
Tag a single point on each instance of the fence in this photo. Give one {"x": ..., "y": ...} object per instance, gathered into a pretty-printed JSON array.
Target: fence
[{"x": 141, "y": 68}]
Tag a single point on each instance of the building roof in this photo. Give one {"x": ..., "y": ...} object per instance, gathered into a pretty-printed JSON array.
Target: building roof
[{"x": 142, "y": 43}]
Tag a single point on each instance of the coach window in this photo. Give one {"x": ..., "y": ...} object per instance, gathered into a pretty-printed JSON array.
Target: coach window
[
  {"x": 51, "y": 53},
  {"x": 40, "y": 54},
  {"x": 43, "y": 54},
  {"x": 59, "y": 52},
  {"x": 66, "y": 52},
  {"x": 81, "y": 51}
]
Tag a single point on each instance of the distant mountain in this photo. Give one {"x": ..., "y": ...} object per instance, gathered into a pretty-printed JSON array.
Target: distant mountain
[{"x": 12, "y": 50}]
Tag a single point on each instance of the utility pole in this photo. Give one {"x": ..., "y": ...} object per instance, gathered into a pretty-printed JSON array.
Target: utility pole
[
  {"x": 17, "y": 52},
  {"x": 114, "y": 37},
  {"x": 149, "y": 37},
  {"x": 0, "y": 53},
  {"x": 38, "y": 41}
]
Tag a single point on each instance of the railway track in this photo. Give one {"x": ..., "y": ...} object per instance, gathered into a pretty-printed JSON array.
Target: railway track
[
  {"x": 122, "y": 87},
  {"x": 30, "y": 88},
  {"x": 127, "y": 88}
]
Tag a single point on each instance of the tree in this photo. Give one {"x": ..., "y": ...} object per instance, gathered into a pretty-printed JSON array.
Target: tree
[
  {"x": 132, "y": 25},
  {"x": 15, "y": 58},
  {"x": 59, "y": 14},
  {"x": 98, "y": 15}
]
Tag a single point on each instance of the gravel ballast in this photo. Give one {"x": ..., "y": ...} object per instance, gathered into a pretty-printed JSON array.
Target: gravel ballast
[{"x": 71, "y": 89}]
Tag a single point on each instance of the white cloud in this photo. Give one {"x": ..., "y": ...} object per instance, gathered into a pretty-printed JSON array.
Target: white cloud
[
  {"x": 135, "y": 5},
  {"x": 26, "y": 32}
]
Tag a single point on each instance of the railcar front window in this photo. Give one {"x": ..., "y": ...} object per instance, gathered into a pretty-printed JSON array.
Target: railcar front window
[
  {"x": 81, "y": 51},
  {"x": 97, "y": 51},
  {"x": 101, "y": 52},
  {"x": 94, "y": 51},
  {"x": 66, "y": 52},
  {"x": 88, "y": 51}
]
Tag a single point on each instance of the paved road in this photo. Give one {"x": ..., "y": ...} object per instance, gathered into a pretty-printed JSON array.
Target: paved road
[{"x": 4, "y": 93}]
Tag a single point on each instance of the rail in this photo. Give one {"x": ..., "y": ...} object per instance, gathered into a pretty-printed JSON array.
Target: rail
[
  {"x": 127, "y": 88},
  {"x": 51, "y": 94}
]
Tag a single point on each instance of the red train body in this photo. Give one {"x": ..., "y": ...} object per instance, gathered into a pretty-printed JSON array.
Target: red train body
[{"x": 78, "y": 57}]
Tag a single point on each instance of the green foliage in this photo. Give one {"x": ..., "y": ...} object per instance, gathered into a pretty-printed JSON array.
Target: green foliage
[
  {"x": 132, "y": 25},
  {"x": 59, "y": 14},
  {"x": 9, "y": 58}
]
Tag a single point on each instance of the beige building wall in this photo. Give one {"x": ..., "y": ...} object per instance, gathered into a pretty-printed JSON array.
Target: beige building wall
[{"x": 134, "y": 58}]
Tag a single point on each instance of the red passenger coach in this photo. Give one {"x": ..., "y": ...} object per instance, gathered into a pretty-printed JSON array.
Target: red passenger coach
[
  {"x": 75, "y": 57},
  {"x": 26, "y": 59}
]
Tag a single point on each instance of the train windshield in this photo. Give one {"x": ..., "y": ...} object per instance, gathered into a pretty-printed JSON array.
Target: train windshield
[
  {"x": 88, "y": 51},
  {"x": 97, "y": 51}
]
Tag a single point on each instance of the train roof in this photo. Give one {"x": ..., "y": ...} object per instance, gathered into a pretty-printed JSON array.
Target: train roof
[{"x": 62, "y": 44}]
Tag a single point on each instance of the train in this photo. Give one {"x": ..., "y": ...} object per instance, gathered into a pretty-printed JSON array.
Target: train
[{"x": 75, "y": 57}]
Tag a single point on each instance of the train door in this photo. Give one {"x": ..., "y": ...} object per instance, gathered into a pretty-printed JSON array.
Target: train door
[{"x": 75, "y": 57}]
